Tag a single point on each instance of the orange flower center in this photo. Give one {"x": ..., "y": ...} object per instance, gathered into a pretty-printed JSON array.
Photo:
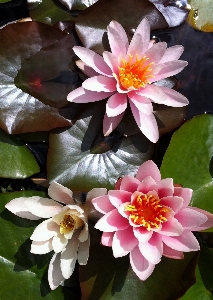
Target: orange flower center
[
  {"x": 135, "y": 75},
  {"x": 147, "y": 211}
]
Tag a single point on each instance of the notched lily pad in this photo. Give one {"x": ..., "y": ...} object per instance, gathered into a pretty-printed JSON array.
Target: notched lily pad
[
  {"x": 21, "y": 112},
  {"x": 91, "y": 24},
  {"x": 80, "y": 160},
  {"x": 16, "y": 159}
]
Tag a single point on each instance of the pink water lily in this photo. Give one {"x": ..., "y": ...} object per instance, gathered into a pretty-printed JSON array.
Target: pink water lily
[
  {"x": 131, "y": 72},
  {"x": 65, "y": 230},
  {"x": 148, "y": 217}
]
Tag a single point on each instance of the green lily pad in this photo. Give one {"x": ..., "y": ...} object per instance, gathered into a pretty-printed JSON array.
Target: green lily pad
[
  {"x": 200, "y": 16},
  {"x": 48, "y": 12},
  {"x": 21, "y": 112},
  {"x": 106, "y": 277},
  {"x": 23, "y": 274},
  {"x": 16, "y": 159},
  {"x": 81, "y": 158},
  {"x": 91, "y": 24},
  {"x": 188, "y": 160}
]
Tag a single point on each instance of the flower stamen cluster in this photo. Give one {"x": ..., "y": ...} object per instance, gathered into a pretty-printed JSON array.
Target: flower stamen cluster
[
  {"x": 135, "y": 74},
  {"x": 147, "y": 212}
]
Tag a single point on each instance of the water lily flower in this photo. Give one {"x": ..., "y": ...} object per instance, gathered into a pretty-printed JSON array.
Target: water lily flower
[
  {"x": 131, "y": 72},
  {"x": 65, "y": 230},
  {"x": 147, "y": 217}
]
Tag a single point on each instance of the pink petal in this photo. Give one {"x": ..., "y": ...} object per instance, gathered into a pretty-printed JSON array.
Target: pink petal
[
  {"x": 155, "y": 93},
  {"x": 102, "y": 204},
  {"x": 208, "y": 223},
  {"x": 100, "y": 84},
  {"x": 171, "y": 253},
  {"x": 94, "y": 193},
  {"x": 112, "y": 221},
  {"x": 165, "y": 187},
  {"x": 186, "y": 242},
  {"x": 117, "y": 38},
  {"x": 171, "y": 228},
  {"x": 146, "y": 123},
  {"x": 116, "y": 105},
  {"x": 149, "y": 168},
  {"x": 107, "y": 238},
  {"x": 123, "y": 242},
  {"x": 45, "y": 231},
  {"x": 122, "y": 210},
  {"x": 143, "y": 104},
  {"x": 190, "y": 218},
  {"x": 93, "y": 60},
  {"x": 41, "y": 247},
  {"x": 184, "y": 193},
  {"x": 80, "y": 95},
  {"x": 140, "y": 41},
  {"x": 83, "y": 252},
  {"x": 174, "y": 202},
  {"x": 153, "y": 249},
  {"x": 172, "y": 53},
  {"x": 118, "y": 197},
  {"x": 129, "y": 184},
  {"x": 168, "y": 69},
  {"x": 110, "y": 123},
  {"x": 60, "y": 193},
  {"x": 69, "y": 256},
  {"x": 142, "y": 234},
  {"x": 59, "y": 242},
  {"x": 173, "y": 98},
  {"x": 142, "y": 267},
  {"x": 42, "y": 207},
  {"x": 17, "y": 207},
  {"x": 156, "y": 52},
  {"x": 111, "y": 60},
  {"x": 147, "y": 184},
  {"x": 55, "y": 276},
  {"x": 87, "y": 70}
]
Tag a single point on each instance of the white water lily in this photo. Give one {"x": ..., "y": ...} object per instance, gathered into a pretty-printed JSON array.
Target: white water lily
[{"x": 65, "y": 230}]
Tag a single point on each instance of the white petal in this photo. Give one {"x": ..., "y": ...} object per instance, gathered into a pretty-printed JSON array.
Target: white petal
[
  {"x": 41, "y": 247},
  {"x": 17, "y": 207},
  {"x": 59, "y": 242},
  {"x": 42, "y": 207},
  {"x": 117, "y": 38},
  {"x": 45, "y": 231},
  {"x": 55, "y": 276},
  {"x": 60, "y": 193},
  {"x": 69, "y": 256},
  {"x": 83, "y": 252}
]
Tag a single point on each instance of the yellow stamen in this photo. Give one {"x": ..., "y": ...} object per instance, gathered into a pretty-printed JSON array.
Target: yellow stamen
[
  {"x": 135, "y": 75},
  {"x": 70, "y": 223},
  {"x": 147, "y": 211}
]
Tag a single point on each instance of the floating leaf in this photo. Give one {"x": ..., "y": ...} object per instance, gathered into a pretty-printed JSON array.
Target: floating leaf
[
  {"x": 91, "y": 24},
  {"x": 19, "y": 111},
  {"x": 48, "y": 12},
  {"x": 173, "y": 11},
  {"x": 22, "y": 272},
  {"x": 201, "y": 15},
  {"x": 112, "y": 278},
  {"x": 80, "y": 158},
  {"x": 188, "y": 160},
  {"x": 16, "y": 159}
]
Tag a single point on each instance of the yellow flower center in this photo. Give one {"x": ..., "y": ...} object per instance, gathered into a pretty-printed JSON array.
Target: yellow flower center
[
  {"x": 135, "y": 75},
  {"x": 70, "y": 223},
  {"x": 147, "y": 211}
]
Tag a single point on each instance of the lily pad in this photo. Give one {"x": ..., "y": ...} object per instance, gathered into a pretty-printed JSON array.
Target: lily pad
[
  {"x": 81, "y": 158},
  {"x": 201, "y": 15},
  {"x": 19, "y": 111},
  {"x": 91, "y": 24},
  {"x": 48, "y": 12},
  {"x": 188, "y": 160},
  {"x": 113, "y": 279},
  {"x": 22, "y": 272},
  {"x": 16, "y": 159}
]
